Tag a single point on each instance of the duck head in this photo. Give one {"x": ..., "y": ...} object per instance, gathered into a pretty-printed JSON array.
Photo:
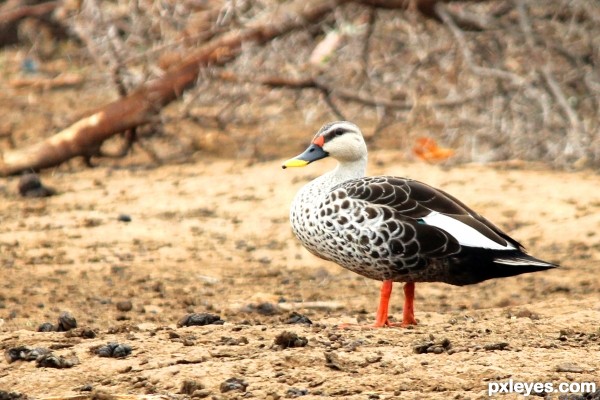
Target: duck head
[{"x": 341, "y": 140}]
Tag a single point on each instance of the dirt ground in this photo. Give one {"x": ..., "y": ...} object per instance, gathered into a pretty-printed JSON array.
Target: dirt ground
[
  {"x": 212, "y": 236},
  {"x": 130, "y": 249}
]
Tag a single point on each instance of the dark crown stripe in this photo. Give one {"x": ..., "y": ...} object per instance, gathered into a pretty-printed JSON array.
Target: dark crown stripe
[{"x": 329, "y": 131}]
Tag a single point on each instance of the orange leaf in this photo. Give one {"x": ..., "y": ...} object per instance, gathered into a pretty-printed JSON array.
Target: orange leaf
[{"x": 428, "y": 150}]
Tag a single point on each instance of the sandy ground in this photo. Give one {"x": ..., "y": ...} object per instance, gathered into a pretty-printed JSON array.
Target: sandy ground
[{"x": 213, "y": 236}]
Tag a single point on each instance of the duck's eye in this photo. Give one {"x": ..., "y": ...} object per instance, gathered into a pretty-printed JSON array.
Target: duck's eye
[{"x": 339, "y": 132}]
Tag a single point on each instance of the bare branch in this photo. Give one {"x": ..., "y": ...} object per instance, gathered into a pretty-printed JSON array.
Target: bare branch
[
  {"x": 348, "y": 95},
  {"x": 576, "y": 131},
  {"x": 367, "y": 40},
  {"x": 468, "y": 56}
]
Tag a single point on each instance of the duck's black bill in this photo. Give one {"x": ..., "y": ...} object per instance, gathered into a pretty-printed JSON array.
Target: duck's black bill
[{"x": 312, "y": 153}]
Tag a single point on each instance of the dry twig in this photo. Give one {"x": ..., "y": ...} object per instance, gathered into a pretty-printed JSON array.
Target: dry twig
[
  {"x": 468, "y": 56},
  {"x": 577, "y": 141}
]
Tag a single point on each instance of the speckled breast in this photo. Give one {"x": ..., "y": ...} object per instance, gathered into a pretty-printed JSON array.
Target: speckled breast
[{"x": 336, "y": 229}]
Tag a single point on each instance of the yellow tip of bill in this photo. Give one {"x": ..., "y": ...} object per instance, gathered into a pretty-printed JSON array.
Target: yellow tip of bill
[{"x": 294, "y": 162}]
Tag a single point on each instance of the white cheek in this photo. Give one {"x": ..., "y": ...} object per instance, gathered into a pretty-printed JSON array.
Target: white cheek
[
  {"x": 345, "y": 148},
  {"x": 464, "y": 234}
]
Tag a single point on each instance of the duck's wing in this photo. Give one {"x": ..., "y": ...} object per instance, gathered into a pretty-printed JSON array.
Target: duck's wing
[{"x": 439, "y": 219}]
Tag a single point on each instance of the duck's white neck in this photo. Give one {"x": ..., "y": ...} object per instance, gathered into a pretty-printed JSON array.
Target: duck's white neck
[{"x": 347, "y": 170}]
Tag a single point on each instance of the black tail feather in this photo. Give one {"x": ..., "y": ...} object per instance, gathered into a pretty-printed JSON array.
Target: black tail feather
[{"x": 474, "y": 265}]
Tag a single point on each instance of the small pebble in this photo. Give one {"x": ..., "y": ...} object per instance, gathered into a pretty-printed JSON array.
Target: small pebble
[
  {"x": 294, "y": 392},
  {"x": 373, "y": 359},
  {"x": 296, "y": 318},
  {"x": 200, "y": 319},
  {"x": 124, "y": 218},
  {"x": 30, "y": 185},
  {"x": 233, "y": 384},
  {"x": 434, "y": 347},
  {"x": 46, "y": 327},
  {"x": 124, "y": 305},
  {"x": 86, "y": 388},
  {"x": 289, "y": 339}
]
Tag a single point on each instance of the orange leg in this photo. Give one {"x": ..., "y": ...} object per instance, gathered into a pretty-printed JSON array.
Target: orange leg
[
  {"x": 381, "y": 319},
  {"x": 408, "y": 313}
]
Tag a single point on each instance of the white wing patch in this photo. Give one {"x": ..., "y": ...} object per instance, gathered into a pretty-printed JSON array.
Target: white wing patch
[{"x": 464, "y": 234}]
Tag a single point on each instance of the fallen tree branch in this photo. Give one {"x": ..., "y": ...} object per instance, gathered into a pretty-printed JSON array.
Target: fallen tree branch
[
  {"x": 11, "y": 13},
  {"x": 85, "y": 137}
]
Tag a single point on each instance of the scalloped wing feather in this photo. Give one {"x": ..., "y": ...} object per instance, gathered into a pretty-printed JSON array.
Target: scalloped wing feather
[{"x": 414, "y": 201}]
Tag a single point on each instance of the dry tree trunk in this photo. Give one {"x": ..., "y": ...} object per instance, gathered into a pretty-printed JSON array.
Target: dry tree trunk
[{"x": 85, "y": 136}]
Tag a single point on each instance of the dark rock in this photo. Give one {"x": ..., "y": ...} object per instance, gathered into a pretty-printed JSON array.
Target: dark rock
[
  {"x": 86, "y": 388},
  {"x": 124, "y": 305},
  {"x": 113, "y": 349},
  {"x": 24, "y": 353},
  {"x": 30, "y": 185},
  {"x": 289, "y": 339},
  {"x": 124, "y": 218},
  {"x": 434, "y": 347},
  {"x": 46, "y": 327},
  {"x": 296, "y": 318},
  {"x": 51, "y": 360},
  {"x": 200, "y": 319},
  {"x": 585, "y": 396},
  {"x": 66, "y": 322},
  {"x": 293, "y": 393},
  {"x": 12, "y": 396},
  {"x": 233, "y": 384}
]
